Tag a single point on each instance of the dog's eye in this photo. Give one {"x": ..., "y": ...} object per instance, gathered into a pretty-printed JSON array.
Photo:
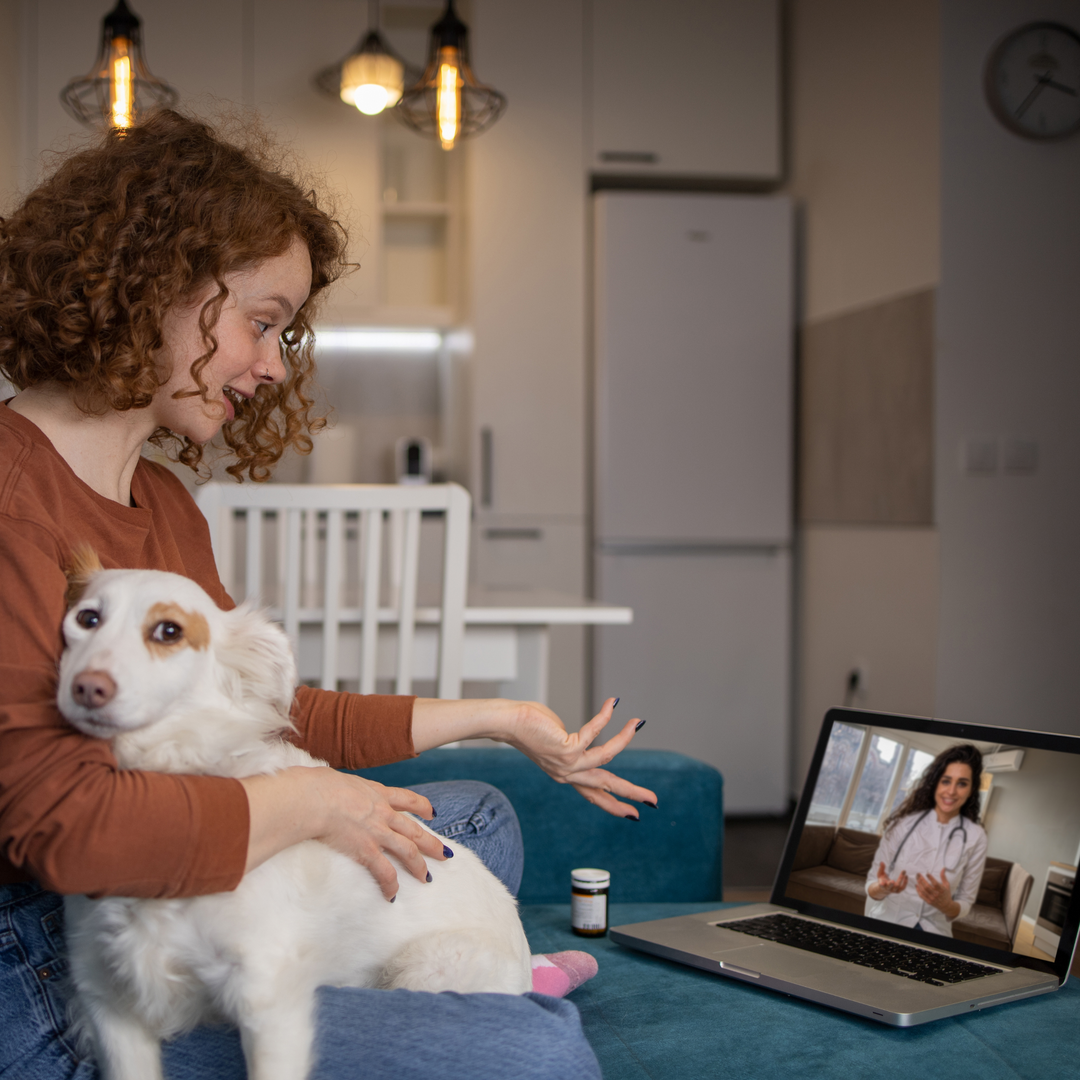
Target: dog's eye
[
  {"x": 168, "y": 633},
  {"x": 88, "y": 618}
]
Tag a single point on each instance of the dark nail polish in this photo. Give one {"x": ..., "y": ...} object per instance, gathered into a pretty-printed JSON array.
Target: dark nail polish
[
  {"x": 652, "y": 804},
  {"x": 429, "y": 875},
  {"x": 617, "y": 700},
  {"x": 640, "y": 725},
  {"x": 434, "y": 812},
  {"x": 447, "y": 852},
  {"x": 393, "y": 898},
  {"x": 628, "y": 818}
]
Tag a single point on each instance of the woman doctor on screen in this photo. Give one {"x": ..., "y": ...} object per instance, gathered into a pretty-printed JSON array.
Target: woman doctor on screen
[{"x": 928, "y": 866}]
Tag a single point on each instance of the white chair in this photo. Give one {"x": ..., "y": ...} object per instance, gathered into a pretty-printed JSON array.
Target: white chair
[{"x": 342, "y": 558}]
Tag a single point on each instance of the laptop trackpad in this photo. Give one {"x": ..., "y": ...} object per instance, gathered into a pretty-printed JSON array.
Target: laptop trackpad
[{"x": 765, "y": 958}]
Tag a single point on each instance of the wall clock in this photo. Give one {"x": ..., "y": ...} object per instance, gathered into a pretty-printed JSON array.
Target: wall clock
[{"x": 1032, "y": 81}]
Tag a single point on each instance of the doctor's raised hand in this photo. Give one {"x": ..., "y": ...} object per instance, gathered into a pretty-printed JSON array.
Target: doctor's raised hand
[
  {"x": 937, "y": 893},
  {"x": 885, "y": 885}
]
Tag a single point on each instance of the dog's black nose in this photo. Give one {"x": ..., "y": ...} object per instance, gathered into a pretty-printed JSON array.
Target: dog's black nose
[{"x": 92, "y": 689}]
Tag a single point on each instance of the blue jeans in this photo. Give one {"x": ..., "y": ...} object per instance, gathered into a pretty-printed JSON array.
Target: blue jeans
[
  {"x": 480, "y": 817},
  {"x": 373, "y": 1034}
]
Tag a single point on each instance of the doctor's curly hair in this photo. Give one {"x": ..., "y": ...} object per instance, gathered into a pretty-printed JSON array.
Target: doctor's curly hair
[
  {"x": 922, "y": 797},
  {"x": 138, "y": 223}
]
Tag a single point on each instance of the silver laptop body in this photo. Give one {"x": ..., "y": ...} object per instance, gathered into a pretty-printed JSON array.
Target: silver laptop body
[{"x": 863, "y": 767}]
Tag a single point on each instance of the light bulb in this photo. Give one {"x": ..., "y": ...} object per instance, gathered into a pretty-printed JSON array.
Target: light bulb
[
  {"x": 448, "y": 97},
  {"x": 120, "y": 88},
  {"x": 372, "y": 81},
  {"x": 371, "y": 99}
]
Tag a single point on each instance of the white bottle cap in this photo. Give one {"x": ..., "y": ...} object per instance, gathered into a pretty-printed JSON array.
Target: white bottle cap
[{"x": 590, "y": 879}]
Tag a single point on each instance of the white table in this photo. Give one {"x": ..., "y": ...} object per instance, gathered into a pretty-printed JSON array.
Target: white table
[{"x": 506, "y": 639}]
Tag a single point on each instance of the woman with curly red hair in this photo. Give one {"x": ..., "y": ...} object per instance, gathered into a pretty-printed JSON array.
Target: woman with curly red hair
[{"x": 159, "y": 286}]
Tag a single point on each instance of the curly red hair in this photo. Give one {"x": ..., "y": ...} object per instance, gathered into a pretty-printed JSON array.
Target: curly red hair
[{"x": 134, "y": 225}]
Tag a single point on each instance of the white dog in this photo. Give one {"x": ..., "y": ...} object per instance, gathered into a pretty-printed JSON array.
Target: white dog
[{"x": 178, "y": 685}]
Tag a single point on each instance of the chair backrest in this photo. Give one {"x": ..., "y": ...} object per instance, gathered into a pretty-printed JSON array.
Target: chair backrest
[
  {"x": 307, "y": 550},
  {"x": 1014, "y": 898}
]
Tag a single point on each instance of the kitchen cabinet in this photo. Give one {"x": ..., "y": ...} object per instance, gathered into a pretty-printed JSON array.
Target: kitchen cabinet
[
  {"x": 526, "y": 210},
  {"x": 512, "y": 553},
  {"x": 688, "y": 88}
]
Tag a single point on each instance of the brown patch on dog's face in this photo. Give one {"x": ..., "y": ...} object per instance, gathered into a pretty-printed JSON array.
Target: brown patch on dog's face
[
  {"x": 84, "y": 565},
  {"x": 168, "y": 627}
]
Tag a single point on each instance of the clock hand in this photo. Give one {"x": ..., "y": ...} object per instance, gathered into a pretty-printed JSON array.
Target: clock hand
[
  {"x": 1040, "y": 86},
  {"x": 1060, "y": 86}
]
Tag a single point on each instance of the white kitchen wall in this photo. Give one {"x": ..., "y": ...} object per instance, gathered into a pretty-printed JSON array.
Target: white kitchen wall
[{"x": 1008, "y": 328}]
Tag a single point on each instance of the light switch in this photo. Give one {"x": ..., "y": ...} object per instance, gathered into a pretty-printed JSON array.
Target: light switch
[{"x": 1020, "y": 456}]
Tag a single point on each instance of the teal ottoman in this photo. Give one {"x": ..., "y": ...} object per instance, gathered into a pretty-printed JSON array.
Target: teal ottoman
[{"x": 674, "y": 853}]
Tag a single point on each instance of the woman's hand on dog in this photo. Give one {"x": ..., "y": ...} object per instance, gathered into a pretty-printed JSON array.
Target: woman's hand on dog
[
  {"x": 358, "y": 817},
  {"x": 568, "y": 757}
]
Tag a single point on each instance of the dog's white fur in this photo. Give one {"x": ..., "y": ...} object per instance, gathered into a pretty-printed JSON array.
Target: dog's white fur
[{"x": 216, "y": 701}]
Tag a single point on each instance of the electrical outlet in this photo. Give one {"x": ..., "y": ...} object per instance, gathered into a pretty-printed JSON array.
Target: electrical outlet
[{"x": 856, "y": 683}]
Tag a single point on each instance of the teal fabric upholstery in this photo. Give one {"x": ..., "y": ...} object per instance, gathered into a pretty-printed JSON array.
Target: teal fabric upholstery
[
  {"x": 674, "y": 852},
  {"x": 649, "y": 1019}
]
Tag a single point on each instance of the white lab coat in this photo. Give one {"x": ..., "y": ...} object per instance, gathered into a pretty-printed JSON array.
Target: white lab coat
[{"x": 931, "y": 848}]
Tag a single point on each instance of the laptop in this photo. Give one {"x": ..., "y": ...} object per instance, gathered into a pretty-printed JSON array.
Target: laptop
[{"x": 864, "y": 819}]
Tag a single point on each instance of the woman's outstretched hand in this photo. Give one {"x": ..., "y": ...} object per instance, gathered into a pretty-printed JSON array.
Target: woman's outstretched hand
[
  {"x": 570, "y": 758},
  {"x": 532, "y": 728}
]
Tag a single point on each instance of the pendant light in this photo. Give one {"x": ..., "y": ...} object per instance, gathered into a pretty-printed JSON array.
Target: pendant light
[
  {"x": 120, "y": 85},
  {"x": 371, "y": 77},
  {"x": 448, "y": 101}
]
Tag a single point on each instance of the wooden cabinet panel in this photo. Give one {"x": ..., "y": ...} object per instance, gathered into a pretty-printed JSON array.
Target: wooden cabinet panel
[{"x": 867, "y": 415}]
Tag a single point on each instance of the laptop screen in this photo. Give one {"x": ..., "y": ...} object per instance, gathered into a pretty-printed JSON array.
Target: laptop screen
[{"x": 955, "y": 835}]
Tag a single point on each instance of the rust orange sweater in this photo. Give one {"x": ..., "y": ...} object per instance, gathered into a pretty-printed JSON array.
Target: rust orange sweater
[{"x": 69, "y": 817}]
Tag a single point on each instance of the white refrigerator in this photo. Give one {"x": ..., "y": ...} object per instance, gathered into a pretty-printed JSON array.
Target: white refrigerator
[{"x": 692, "y": 525}]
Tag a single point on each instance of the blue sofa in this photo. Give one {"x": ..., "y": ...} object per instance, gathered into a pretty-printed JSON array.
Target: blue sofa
[{"x": 648, "y": 1019}]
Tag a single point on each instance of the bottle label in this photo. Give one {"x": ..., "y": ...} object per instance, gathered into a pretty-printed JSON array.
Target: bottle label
[{"x": 588, "y": 912}]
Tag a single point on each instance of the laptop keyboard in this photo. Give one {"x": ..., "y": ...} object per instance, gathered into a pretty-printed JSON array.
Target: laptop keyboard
[{"x": 863, "y": 949}]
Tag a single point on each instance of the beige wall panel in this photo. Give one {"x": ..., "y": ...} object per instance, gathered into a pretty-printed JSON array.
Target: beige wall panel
[
  {"x": 864, "y": 89},
  {"x": 868, "y": 598},
  {"x": 10, "y": 72},
  {"x": 866, "y": 415}
]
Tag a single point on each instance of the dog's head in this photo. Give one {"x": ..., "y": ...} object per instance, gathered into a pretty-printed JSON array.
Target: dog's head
[{"x": 143, "y": 646}]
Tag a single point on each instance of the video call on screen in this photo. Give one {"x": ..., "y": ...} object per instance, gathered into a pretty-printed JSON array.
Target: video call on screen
[{"x": 1028, "y": 825}]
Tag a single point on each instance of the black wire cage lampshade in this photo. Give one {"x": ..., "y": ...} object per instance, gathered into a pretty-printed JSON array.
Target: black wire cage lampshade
[
  {"x": 448, "y": 102},
  {"x": 120, "y": 85},
  {"x": 372, "y": 77}
]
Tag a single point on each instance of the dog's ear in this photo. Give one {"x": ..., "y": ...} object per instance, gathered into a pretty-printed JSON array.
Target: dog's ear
[
  {"x": 83, "y": 566},
  {"x": 256, "y": 653}
]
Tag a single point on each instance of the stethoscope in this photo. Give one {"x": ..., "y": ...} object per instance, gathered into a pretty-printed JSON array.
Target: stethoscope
[{"x": 957, "y": 828}]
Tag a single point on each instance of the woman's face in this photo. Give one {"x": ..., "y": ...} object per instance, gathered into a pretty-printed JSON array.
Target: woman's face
[
  {"x": 953, "y": 790},
  {"x": 260, "y": 305}
]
